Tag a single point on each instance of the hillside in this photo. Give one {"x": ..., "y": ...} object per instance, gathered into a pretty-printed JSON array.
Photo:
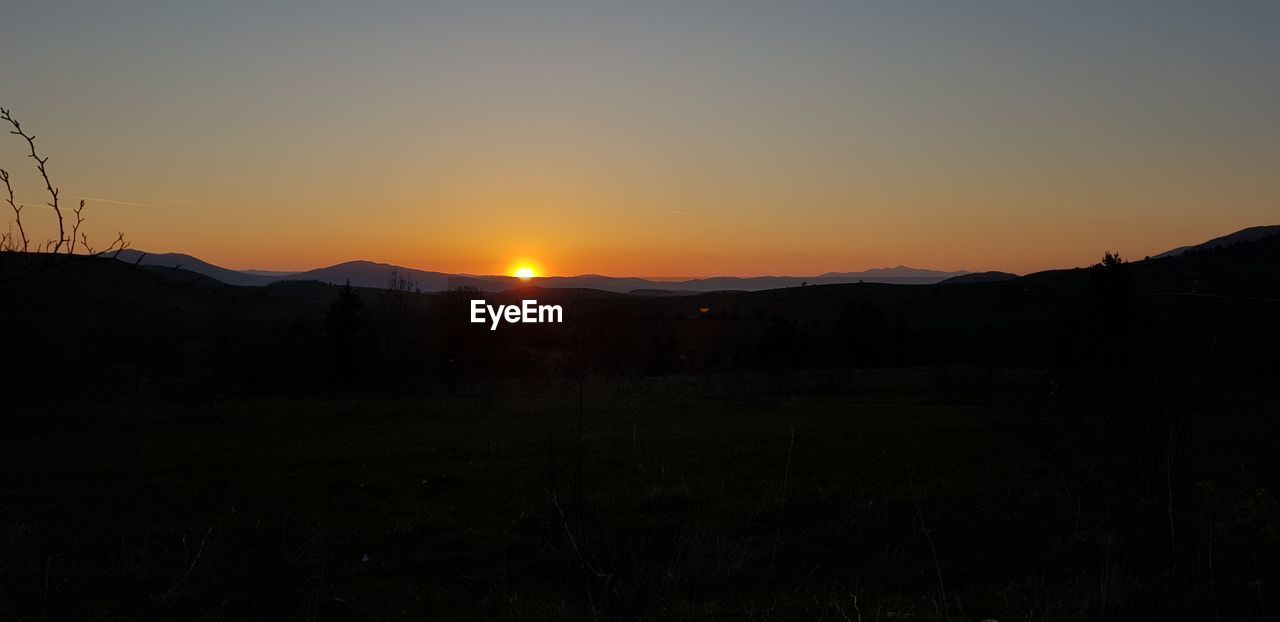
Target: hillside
[
  {"x": 1245, "y": 268},
  {"x": 980, "y": 277},
  {"x": 187, "y": 262},
  {"x": 1251, "y": 234}
]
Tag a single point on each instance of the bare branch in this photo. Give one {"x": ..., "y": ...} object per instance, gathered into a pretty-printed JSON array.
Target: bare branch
[
  {"x": 118, "y": 246},
  {"x": 17, "y": 213},
  {"x": 40, "y": 166},
  {"x": 75, "y": 228}
]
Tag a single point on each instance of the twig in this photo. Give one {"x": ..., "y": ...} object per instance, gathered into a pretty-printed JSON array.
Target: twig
[
  {"x": 588, "y": 571},
  {"x": 942, "y": 588},
  {"x": 194, "y": 561},
  {"x": 17, "y": 209},
  {"x": 40, "y": 166},
  {"x": 75, "y": 229}
]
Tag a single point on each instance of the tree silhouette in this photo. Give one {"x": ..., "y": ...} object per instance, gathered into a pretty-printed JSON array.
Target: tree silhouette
[{"x": 345, "y": 318}]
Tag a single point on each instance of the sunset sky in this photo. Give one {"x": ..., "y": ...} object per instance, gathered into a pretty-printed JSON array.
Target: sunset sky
[{"x": 651, "y": 138}]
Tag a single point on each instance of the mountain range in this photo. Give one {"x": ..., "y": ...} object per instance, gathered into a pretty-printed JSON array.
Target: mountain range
[{"x": 377, "y": 275}]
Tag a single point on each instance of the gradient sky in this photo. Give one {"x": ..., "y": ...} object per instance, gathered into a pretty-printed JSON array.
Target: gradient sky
[{"x": 651, "y": 138}]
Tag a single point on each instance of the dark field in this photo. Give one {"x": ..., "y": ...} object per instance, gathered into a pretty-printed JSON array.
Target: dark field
[{"x": 882, "y": 494}]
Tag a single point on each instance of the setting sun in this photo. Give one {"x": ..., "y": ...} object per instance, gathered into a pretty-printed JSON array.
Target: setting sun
[{"x": 525, "y": 268}]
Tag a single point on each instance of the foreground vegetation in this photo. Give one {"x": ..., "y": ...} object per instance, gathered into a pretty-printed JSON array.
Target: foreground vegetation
[{"x": 913, "y": 493}]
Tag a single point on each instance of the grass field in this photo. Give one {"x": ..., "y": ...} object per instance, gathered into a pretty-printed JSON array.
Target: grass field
[{"x": 751, "y": 497}]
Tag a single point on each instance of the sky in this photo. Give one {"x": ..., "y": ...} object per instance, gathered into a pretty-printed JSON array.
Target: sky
[{"x": 650, "y": 138}]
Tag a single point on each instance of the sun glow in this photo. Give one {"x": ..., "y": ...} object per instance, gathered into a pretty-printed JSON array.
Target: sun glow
[{"x": 525, "y": 268}]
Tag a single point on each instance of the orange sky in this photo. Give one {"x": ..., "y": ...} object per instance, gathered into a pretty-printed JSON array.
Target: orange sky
[{"x": 657, "y": 140}]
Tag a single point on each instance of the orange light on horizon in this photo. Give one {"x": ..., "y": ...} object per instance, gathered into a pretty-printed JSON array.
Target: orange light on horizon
[{"x": 525, "y": 269}]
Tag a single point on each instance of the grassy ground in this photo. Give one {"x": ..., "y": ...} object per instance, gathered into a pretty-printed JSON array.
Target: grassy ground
[{"x": 678, "y": 498}]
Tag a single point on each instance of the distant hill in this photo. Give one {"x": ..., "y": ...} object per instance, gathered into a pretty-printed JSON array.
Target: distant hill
[
  {"x": 897, "y": 276},
  {"x": 980, "y": 277},
  {"x": 899, "y": 272},
  {"x": 376, "y": 275},
  {"x": 62, "y": 290},
  {"x": 661, "y": 292},
  {"x": 1251, "y": 234},
  {"x": 1242, "y": 269},
  {"x": 900, "y": 275},
  {"x": 187, "y": 262},
  {"x": 371, "y": 274}
]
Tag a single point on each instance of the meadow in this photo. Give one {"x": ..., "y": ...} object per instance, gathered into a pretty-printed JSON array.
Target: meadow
[{"x": 872, "y": 495}]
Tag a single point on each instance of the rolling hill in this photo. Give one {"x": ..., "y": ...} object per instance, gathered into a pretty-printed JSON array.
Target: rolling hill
[
  {"x": 1250, "y": 234},
  {"x": 376, "y": 275},
  {"x": 980, "y": 277},
  {"x": 193, "y": 264}
]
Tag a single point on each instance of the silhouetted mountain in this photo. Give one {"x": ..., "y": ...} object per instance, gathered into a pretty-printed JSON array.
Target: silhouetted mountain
[
  {"x": 187, "y": 262},
  {"x": 980, "y": 277},
  {"x": 1250, "y": 234},
  {"x": 1241, "y": 269},
  {"x": 1245, "y": 266},
  {"x": 371, "y": 274},
  {"x": 898, "y": 272},
  {"x": 901, "y": 275},
  {"x": 375, "y": 275},
  {"x": 661, "y": 292},
  {"x": 605, "y": 283}
]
